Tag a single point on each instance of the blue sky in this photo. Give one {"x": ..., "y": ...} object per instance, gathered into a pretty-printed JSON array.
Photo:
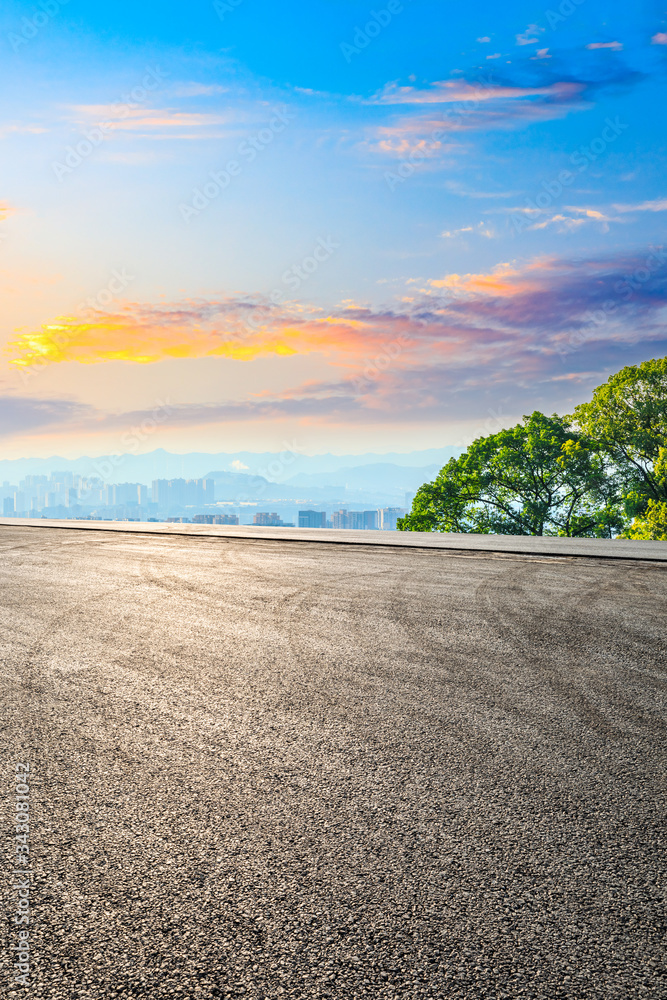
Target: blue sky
[{"x": 351, "y": 226}]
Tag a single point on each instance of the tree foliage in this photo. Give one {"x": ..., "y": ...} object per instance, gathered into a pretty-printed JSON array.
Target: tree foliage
[
  {"x": 538, "y": 478},
  {"x": 628, "y": 418},
  {"x": 651, "y": 523}
]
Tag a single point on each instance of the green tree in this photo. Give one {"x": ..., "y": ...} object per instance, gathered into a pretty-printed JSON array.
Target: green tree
[
  {"x": 652, "y": 525},
  {"x": 628, "y": 417},
  {"x": 538, "y": 478},
  {"x": 652, "y": 522}
]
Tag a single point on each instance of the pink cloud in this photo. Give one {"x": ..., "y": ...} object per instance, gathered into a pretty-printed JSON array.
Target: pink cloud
[{"x": 521, "y": 329}]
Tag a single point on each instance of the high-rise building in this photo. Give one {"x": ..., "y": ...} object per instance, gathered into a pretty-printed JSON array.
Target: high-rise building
[
  {"x": 263, "y": 518},
  {"x": 126, "y": 493},
  {"x": 339, "y": 519},
  {"x": 312, "y": 519},
  {"x": 63, "y": 478},
  {"x": 389, "y": 517},
  {"x": 358, "y": 519},
  {"x": 8, "y": 506},
  {"x": 183, "y": 492}
]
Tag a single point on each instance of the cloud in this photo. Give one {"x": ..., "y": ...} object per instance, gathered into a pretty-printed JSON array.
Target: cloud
[
  {"x": 484, "y": 39},
  {"x": 527, "y": 38},
  {"x": 235, "y": 328},
  {"x": 467, "y": 107},
  {"x": 423, "y": 134},
  {"x": 657, "y": 205},
  {"x": 19, "y": 414},
  {"x": 544, "y": 294},
  {"x": 541, "y": 54},
  {"x": 194, "y": 89},
  {"x": 525, "y": 329},
  {"x": 453, "y": 91},
  {"x": 578, "y": 217},
  {"x": 18, "y": 128},
  {"x": 615, "y": 46},
  {"x": 535, "y": 90},
  {"x": 660, "y": 38},
  {"x": 238, "y": 466},
  {"x": 481, "y": 229},
  {"x": 5, "y": 210},
  {"x": 123, "y": 118}
]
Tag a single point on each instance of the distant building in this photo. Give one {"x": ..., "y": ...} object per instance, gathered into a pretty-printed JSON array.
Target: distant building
[
  {"x": 358, "y": 519},
  {"x": 215, "y": 519},
  {"x": 126, "y": 493},
  {"x": 63, "y": 478},
  {"x": 8, "y": 506},
  {"x": 312, "y": 519},
  {"x": 270, "y": 520},
  {"x": 389, "y": 516},
  {"x": 183, "y": 492}
]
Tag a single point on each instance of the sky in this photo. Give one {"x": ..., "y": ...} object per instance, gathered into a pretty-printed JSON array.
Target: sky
[{"x": 323, "y": 226}]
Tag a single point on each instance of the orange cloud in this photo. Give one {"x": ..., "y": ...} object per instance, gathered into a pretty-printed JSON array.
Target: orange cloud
[
  {"x": 144, "y": 335},
  {"x": 124, "y": 118},
  {"x": 451, "y": 91},
  {"x": 504, "y": 281}
]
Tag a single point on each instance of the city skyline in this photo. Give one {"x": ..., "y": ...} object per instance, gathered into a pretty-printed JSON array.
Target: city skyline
[
  {"x": 371, "y": 228},
  {"x": 64, "y": 495}
]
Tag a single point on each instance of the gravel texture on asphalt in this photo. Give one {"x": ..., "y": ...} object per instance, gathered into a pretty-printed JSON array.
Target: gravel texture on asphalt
[{"x": 283, "y": 769}]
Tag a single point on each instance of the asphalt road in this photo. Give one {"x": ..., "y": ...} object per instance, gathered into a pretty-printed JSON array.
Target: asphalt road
[{"x": 285, "y": 769}]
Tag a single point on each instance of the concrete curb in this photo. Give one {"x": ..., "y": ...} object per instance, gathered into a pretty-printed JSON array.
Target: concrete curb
[{"x": 597, "y": 548}]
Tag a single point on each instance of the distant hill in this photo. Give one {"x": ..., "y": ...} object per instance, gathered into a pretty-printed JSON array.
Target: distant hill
[
  {"x": 366, "y": 473},
  {"x": 378, "y": 476}
]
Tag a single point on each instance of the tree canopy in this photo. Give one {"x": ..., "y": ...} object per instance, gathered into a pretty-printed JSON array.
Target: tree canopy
[
  {"x": 538, "y": 478},
  {"x": 628, "y": 418},
  {"x": 588, "y": 474}
]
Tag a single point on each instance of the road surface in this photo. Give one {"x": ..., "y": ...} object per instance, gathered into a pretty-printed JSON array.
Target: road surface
[{"x": 272, "y": 769}]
